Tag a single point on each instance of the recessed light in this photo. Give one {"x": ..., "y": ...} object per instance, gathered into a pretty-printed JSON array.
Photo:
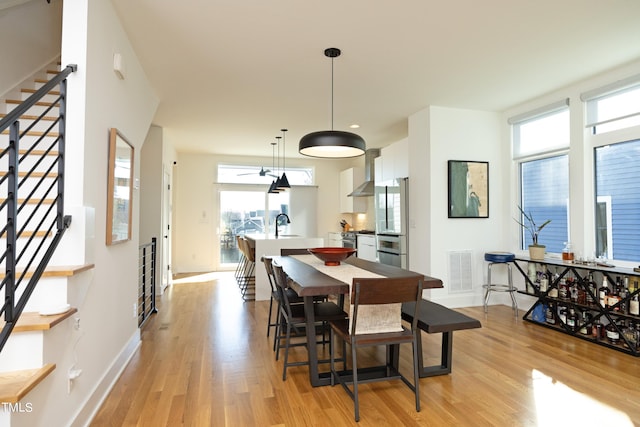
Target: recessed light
[{"x": 354, "y": 126}]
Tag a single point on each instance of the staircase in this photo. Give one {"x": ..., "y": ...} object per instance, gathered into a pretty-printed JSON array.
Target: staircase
[{"x": 32, "y": 222}]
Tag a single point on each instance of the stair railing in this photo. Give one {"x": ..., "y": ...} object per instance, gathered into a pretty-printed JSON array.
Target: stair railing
[
  {"x": 33, "y": 195},
  {"x": 147, "y": 281}
]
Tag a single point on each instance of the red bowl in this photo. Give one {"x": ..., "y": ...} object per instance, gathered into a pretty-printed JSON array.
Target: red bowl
[{"x": 332, "y": 255}]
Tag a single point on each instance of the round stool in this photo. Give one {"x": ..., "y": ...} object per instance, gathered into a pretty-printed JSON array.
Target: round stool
[{"x": 500, "y": 258}]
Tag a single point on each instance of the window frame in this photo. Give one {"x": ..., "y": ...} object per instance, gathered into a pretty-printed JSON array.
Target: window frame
[{"x": 593, "y": 97}]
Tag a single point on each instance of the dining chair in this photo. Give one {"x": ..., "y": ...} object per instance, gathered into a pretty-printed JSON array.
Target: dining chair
[
  {"x": 247, "y": 278},
  {"x": 291, "y": 295},
  {"x": 241, "y": 259},
  {"x": 376, "y": 319},
  {"x": 294, "y": 319}
]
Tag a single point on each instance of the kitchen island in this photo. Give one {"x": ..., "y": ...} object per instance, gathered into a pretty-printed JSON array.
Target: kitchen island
[{"x": 270, "y": 245}]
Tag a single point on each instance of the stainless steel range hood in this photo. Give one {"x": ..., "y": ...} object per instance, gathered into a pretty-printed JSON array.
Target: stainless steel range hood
[{"x": 366, "y": 189}]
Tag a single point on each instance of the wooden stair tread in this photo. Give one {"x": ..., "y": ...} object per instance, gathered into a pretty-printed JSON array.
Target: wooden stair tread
[
  {"x": 15, "y": 385},
  {"x": 38, "y": 175},
  {"x": 32, "y": 201},
  {"x": 32, "y": 117},
  {"x": 39, "y": 152},
  {"x": 59, "y": 271},
  {"x": 53, "y": 92},
  {"x": 39, "y": 103},
  {"x": 35, "y": 133},
  {"x": 32, "y": 321},
  {"x": 29, "y": 233}
]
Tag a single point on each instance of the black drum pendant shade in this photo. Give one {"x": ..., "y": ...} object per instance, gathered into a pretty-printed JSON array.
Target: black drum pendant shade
[{"x": 332, "y": 143}]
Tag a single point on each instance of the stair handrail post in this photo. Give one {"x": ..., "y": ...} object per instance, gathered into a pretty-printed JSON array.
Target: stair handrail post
[
  {"x": 61, "y": 153},
  {"x": 12, "y": 218}
]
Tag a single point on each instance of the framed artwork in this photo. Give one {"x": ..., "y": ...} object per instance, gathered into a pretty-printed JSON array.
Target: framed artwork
[
  {"x": 468, "y": 189},
  {"x": 119, "y": 188}
]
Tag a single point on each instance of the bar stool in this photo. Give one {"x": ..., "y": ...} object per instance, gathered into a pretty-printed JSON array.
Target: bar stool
[{"x": 500, "y": 258}]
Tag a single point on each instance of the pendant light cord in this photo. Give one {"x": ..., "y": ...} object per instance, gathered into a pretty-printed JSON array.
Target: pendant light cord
[
  {"x": 332, "y": 93},
  {"x": 283, "y": 148},
  {"x": 273, "y": 155},
  {"x": 278, "y": 138}
]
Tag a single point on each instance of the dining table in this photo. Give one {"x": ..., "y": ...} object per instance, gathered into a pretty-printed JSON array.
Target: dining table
[{"x": 309, "y": 278}]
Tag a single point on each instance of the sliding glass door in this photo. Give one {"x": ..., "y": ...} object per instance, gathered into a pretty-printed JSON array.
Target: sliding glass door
[{"x": 244, "y": 212}]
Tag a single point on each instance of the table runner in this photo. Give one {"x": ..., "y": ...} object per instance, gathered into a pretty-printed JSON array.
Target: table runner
[{"x": 372, "y": 319}]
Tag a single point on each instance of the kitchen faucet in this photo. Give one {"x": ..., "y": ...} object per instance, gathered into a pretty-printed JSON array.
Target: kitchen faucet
[{"x": 276, "y": 221}]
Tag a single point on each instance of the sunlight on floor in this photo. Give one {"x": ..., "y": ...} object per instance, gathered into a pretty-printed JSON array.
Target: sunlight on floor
[
  {"x": 201, "y": 277},
  {"x": 559, "y": 405}
]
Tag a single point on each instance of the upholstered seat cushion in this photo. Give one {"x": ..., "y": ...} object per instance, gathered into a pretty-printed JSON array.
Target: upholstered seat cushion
[{"x": 499, "y": 256}]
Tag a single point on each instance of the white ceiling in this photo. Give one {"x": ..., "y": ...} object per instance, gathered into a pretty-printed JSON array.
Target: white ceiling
[{"x": 231, "y": 73}]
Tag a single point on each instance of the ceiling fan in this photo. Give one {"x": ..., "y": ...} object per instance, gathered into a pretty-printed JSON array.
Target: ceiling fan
[{"x": 262, "y": 172}]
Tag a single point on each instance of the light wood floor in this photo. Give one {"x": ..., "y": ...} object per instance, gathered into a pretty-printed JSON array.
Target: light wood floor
[{"x": 205, "y": 360}]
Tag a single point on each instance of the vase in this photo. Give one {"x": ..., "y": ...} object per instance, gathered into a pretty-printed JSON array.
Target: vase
[{"x": 537, "y": 252}]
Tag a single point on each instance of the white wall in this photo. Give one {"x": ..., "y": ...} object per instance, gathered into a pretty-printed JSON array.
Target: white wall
[
  {"x": 36, "y": 23},
  {"x": 196, "y": 203},
  {"x": 98, "y": 100},
  {"x": 151, "y": 186},
  {"x": 157, "y": 157},
  {"x": 436, "y": 135}
]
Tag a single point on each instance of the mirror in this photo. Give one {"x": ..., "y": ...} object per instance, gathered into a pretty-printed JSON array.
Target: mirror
[{"x": 120, "y": 188}]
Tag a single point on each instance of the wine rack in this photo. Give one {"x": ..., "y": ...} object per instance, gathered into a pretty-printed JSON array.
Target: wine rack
[{"x": 614, "y": 321}]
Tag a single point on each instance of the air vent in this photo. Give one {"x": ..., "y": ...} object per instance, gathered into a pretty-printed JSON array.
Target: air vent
[{"x": 460, "y": 272}]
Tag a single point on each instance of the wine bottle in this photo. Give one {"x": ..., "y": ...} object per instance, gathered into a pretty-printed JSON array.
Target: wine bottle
[
  {"x": 550, "y": 317},
  {"x": 563, "y": 289},
  {"x": 624, "y": 295},
  {"x": 604, "y": 293},
  {"x": 591, "y": 290},
  {"x": 553, "y": 291},
  {"x": 572, "y": 319},
  {"x": 585, "y": 329},
  {"x": 634, "y": 305},
  {"x": 612, "y": 333},
  {"x": 614, "y": 296}
]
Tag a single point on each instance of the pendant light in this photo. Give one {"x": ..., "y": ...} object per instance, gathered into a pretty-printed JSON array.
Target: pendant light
[
  {"x": 283, "y": 182},
  {"x": 273, "y": 187},
  {"x": 332, "y": 143}
]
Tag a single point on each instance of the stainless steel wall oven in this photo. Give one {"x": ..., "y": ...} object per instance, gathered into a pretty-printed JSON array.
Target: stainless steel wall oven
[{"x": 392, "y": 250}]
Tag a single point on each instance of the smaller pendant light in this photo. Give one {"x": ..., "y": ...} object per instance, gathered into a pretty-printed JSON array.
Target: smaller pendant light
[
  {"x": 272, "y": 187},
  {"x": 332, "y": 143},
  {"x": 283, "y": 182}
]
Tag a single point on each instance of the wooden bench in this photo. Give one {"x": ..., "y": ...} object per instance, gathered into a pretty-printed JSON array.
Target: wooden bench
[{"x": 435, "y": 318}]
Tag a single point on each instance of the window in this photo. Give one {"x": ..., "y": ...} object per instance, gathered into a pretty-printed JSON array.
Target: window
[
  {"x": 542, "y": 131},
  {"x": 545, "y": 195},
  {"x": 618, "y": 200},
  {"x": 243, "y": 174},
  {"x": 614, "y": 107},
  {"x": 539, "y": 139}
]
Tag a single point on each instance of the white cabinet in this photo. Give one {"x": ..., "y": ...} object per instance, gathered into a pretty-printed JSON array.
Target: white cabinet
[
  {"x": 349, "y": 179},
  {"x": 393, "y": 162},
  {"x": 366, "y": 246}
]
